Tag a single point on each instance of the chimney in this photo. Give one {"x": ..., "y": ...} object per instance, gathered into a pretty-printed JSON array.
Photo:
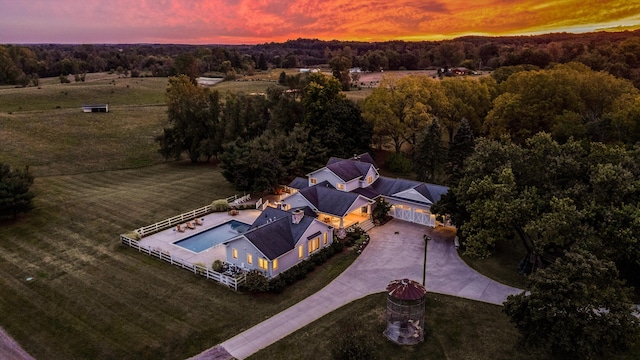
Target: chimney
[{"x": 296, "y": 216}]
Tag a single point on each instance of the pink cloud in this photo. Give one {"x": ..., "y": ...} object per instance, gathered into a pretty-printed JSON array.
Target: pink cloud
[{"x": 256, "y": 21}]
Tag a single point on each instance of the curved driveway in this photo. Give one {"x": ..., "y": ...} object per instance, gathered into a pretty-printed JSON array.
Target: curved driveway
[{"x": 396, "y": 251}]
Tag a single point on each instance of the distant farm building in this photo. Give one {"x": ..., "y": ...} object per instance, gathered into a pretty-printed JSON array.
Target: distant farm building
[{"x": 95, "y": 108}]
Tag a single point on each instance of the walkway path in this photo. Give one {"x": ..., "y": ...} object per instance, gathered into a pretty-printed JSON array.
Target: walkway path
[{"x": 396, "y": 251}]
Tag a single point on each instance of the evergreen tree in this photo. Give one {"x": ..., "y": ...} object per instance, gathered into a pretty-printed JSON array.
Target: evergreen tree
[
  {"x": 15, "y": 196},
  {"x": 429, "y": 156},
  {"x": 460, "y": 148}
]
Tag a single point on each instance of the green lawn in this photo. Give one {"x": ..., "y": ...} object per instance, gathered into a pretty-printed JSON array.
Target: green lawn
[
  {"x": 249, "y": 86},
  {"x": 46, "y": 129},
  {"x": 456, "y": 329},
  {"x": 502, "y": 266},
  {"x": 99, "y": 175},
  {"x": 93, "y": 298}
]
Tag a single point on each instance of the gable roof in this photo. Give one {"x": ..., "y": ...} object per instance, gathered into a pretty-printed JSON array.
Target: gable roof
[
  {"x": 299, "y": 183},
  {"x": 399, "y": 188},
  {"x": 365, "y": 157},
  {"x": 350, "y": 169},
  {"x": 328, "y": 200},
  {"x": 274, "y": 233}
]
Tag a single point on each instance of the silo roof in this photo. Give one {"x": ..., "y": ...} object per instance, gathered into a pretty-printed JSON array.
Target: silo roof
[{"x": 406, "y": 289}]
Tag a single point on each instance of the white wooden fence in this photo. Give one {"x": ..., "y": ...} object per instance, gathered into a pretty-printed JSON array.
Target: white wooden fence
[
  {"x": 167, "y": 223},
  {"x": 179, "y": 219},
  {"x": 236, "y": 199},
  {"x": 232, "y": 282},
  {"x": 261, "y": 205}
]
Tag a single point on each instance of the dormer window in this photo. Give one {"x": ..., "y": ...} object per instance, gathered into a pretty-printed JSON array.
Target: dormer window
[
  {"x": 369, "y": 179},
  {"x": 340, "y": 186},
  {"x": 313, "y": 181}
]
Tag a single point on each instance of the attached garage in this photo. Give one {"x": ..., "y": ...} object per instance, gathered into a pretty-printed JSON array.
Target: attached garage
[{"x": 413, "y": 214}]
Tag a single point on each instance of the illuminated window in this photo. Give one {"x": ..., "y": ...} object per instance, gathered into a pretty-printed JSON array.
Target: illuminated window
[
  {"x": 313, "y": 180},
  {"x": 340, "y": 186},
  {"x": 275, "y": 264},
  {"x": 263, "y": 264},
  {"x": 249, "y": 259},
  {"x": 235, "y": 253},
  {"x": 314, "y": 245},
  {"x": 370, "y": 179},
  {"x": 325, "y": 239},
  {"x": 300, "y": 252}
]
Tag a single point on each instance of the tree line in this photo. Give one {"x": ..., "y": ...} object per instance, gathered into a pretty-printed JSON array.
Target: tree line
[
  {"x": 617, "y": 53},
  {"x": 263, "y": 140}
]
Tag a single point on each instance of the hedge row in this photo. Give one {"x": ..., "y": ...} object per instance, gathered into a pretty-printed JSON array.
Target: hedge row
[{"x": 257, "y": 282}]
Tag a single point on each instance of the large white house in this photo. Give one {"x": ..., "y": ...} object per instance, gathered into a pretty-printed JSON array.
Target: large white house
[
  {"x": 336, "y": 196},
  {"x": 278, "y": 240},
  {"x": 353, "y": 185}
]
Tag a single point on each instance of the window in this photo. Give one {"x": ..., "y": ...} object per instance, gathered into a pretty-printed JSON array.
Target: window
[
  {"x": 275, "y": 264},
  {"x": 235, "y": 253},
  {"x": 263, "y": 264},
  {"x": 340, "y": 186},
  {"x": 370, "y": 179},
  {"x": 313, "y": 180},
  {"x": 249, "y": 259},
  {"x": 313, "y": 245},
  {"x": 300, "y": 252},
  {"x": 325, "y": 239}
]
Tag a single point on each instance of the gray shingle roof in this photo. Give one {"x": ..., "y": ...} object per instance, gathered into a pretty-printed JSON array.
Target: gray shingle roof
[
  {"x": 329, "y": 200},
  {"x": 274, "y": 234},
  {"x": 299, "y": 183},
  {"x": 349, "y": 169},
  {"x": 388, "y": 187}
]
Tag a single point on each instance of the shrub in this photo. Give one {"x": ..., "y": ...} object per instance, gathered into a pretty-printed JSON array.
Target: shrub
[
  {"x": 277, "y": 285},
  {"x": 219, "y": 205},
  {"x": 380, "y": 212},
  {"x": 337, "y": 246},
  {"x": 217, "y": 266},
  {"x": 133, "y": 235},
  {"x": 300, "y": 271},
  {"x": 256, "y": 282},
  {"x": 398, "y": 163}
]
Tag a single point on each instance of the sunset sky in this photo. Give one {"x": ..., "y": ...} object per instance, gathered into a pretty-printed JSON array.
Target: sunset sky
[{"x": 259, "y": 21}]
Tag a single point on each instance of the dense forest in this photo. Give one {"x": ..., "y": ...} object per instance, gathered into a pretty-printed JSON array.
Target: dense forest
[{"x": 617, "y": 53}]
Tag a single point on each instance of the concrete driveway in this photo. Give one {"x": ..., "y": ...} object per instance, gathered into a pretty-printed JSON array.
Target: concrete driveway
[{"x": 396, "y": 251}]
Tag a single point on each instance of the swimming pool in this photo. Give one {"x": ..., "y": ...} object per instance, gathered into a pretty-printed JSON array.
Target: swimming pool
[{"x": 212, "y": 237}]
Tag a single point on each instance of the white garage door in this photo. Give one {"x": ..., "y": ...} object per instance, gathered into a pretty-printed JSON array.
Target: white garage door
[{"x": 418, "y": 216}]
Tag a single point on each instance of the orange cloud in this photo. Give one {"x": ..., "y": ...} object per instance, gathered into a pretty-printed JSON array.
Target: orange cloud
[{"x": 257, "y": 21}]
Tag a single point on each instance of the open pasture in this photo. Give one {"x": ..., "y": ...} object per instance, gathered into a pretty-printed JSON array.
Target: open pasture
[
  {"x": 46, "y": 129},
  {"x": 90, "y": 297}
]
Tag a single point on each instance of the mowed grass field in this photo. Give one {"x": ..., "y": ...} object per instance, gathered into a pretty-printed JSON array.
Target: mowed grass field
[
  {"x": 46, "y": 129},
  {"x": 455, "y": 329},
  {"x": 91, "y": 298},
  {"x": 68, "y": 289}
]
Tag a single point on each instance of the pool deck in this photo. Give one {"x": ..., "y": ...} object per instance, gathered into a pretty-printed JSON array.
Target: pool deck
[{"x": 164, "y": 240}]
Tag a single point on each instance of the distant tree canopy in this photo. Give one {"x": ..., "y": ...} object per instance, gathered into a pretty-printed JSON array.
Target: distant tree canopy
[
  {"x": 15, "y": 194},
  {"x": 567, "y": 101},
  {"x": 401, "y": 109},
  {"x": 615, "y": 53}
]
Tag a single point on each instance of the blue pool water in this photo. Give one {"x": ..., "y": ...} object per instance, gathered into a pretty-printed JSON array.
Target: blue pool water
[{"x": 213, "y": 236}]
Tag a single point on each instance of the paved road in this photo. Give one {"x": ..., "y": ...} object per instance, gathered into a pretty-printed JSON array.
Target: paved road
[{"x": 396, "y": 251}]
